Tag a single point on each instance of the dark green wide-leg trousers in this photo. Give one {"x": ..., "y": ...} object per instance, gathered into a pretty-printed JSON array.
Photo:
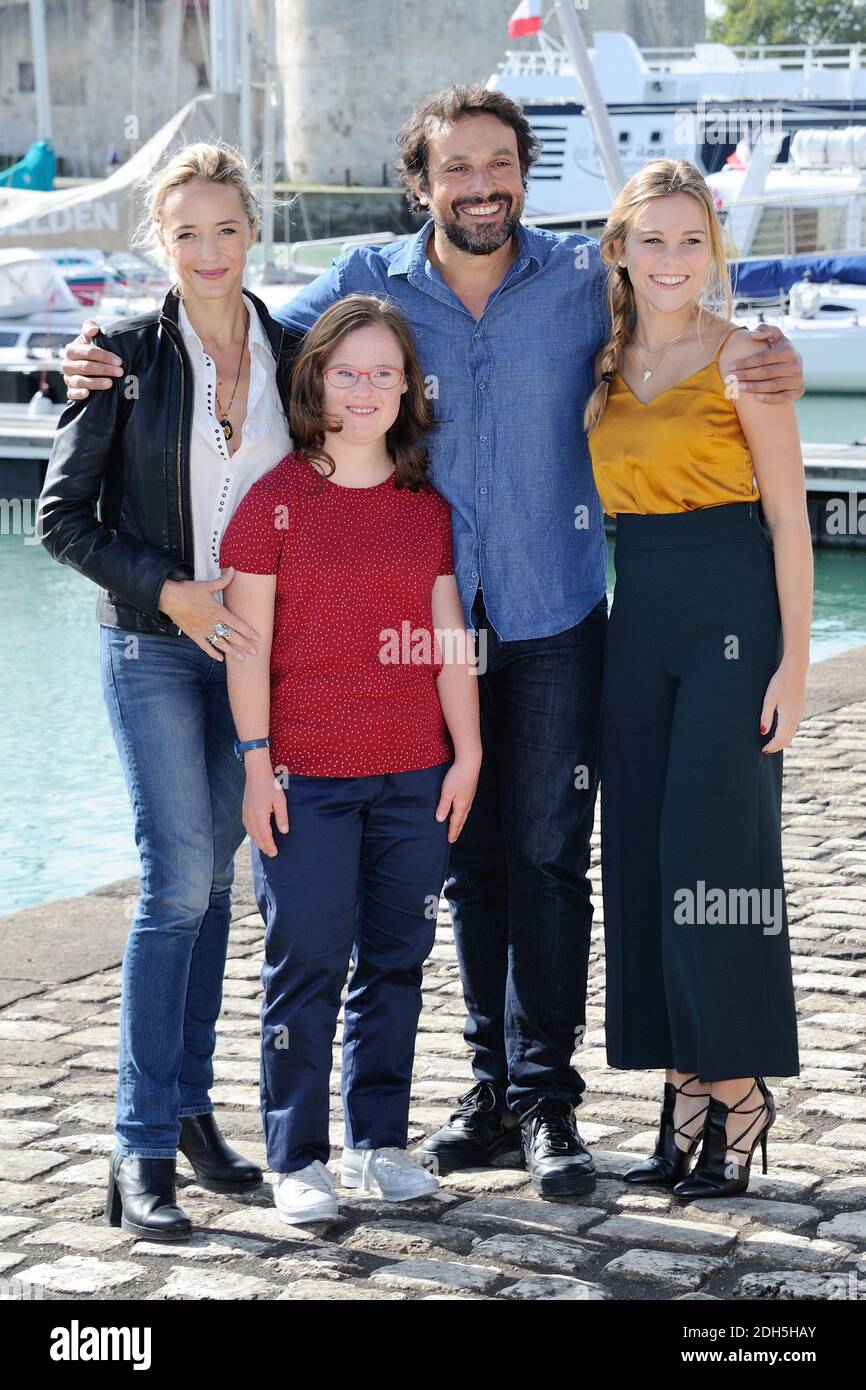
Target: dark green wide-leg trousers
[{"x": 698, "y": 962}]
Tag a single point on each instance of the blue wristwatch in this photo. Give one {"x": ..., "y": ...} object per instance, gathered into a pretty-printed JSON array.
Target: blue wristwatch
[{"x": 241, "y": 748}]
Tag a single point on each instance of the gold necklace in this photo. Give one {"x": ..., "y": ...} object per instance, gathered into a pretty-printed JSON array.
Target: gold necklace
[
  {"x": 648, "y": 371},
  {"x": 223, "y": 415}
]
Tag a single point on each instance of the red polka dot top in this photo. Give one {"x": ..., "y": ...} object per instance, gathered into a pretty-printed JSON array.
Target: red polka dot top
[{"x": 353, "y": 659}]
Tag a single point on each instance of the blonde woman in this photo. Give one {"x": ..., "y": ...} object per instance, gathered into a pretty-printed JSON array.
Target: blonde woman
[
  {"x": 704, "y": 685},
  {"x": 196, "y": 415}
]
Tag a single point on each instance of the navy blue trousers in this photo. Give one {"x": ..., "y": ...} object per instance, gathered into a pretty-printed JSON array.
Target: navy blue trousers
[
  {"x": 518, "y": 888},
  {"x": 698, "y": 965},
  {"x": 358, "y": 875}
]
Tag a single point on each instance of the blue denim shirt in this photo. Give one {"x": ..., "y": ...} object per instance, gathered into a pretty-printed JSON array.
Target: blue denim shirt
[{"x": 509, "y": 450}]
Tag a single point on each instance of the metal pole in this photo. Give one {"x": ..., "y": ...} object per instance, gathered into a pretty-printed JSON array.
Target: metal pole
[
  {"x": 202, "y": 38},
  {"x": 268, "y": 136},
  {"x": 219, "y": 79},
  {"x": 40, "y": 71},
  {"x": 246, "y": 43},
  {"x": 136, "y": 58},
  {"x": 224, "y": 70},
  {"x": 594, "y": 108}
]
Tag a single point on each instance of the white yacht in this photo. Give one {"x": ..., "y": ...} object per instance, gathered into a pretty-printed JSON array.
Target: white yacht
[
  {"x": 816, "y": 201},
  {"x": 697, "y": 103}
]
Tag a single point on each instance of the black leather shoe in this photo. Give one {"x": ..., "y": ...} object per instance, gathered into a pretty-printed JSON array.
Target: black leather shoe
[
  {"x": 217, "y": 1167},
  {"x": 558, "y": 1161},
  {"x": 141, "y": 1198},
  {"x": 669, "y": 1163},
  {"x": 480, "y": 1129}
]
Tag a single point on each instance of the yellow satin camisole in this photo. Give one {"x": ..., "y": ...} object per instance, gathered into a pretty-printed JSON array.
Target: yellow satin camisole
[{"x": 682, "y": 450}]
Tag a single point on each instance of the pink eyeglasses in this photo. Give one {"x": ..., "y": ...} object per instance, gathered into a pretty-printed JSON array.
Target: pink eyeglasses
[{"x": 344, "y": 378}]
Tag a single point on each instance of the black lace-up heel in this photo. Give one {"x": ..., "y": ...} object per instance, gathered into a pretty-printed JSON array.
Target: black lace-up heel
[
  {"x": 669, "y": 1163},
  {"x": 713, "y": 1175}
]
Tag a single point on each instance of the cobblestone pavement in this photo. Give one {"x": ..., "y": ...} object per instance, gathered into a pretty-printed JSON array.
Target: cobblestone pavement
[{"x": 800, "y": 1233}]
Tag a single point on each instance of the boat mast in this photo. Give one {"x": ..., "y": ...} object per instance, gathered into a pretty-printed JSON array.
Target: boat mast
[
  {"x": 223, "y": 67},
  {"x": 594, "y": 108},
  {"x": 231, "y": 51},
  {"x": 40, "y": 71},
  {"x": 268, "y": 137},
  {"x": 246, "y": 47}
]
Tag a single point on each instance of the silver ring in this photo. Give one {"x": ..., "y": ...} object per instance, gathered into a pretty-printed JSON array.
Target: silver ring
[{"x": 219, "y": 630}]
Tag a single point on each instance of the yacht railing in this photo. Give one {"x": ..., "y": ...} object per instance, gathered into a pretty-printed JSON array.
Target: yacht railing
[
  {"x": 304, "y": 259},
  {"x": 552, "y": 61},
  {"x": 787, "y": 55},
  {"x": 789, "y": 225},
  {"x": 794, "y": 225}
]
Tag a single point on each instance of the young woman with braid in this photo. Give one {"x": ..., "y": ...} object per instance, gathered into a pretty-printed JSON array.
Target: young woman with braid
[{"x": 704, "y": 685}]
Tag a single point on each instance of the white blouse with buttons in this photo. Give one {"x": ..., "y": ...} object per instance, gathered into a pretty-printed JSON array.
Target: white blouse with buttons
[{"x": 218, "y": 479}]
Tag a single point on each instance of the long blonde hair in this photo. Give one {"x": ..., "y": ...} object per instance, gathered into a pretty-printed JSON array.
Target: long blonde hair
[
  {"x": 214, "y": 163},
  {"x": 660, "y": 178}
]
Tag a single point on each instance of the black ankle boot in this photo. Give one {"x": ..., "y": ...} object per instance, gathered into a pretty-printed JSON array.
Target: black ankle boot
[
  {"x": 713, "y": 1176},
  {"x": 141, "y": 1198},
  {"x": 669, "y": 1163},
  {"x": 217, "y": 1167}
]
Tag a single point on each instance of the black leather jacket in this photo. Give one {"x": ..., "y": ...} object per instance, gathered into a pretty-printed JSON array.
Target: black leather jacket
[{"x": 116, "y": 499}]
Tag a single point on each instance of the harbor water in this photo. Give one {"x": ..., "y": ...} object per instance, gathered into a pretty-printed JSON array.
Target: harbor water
[{"x": 65, "y": 823}]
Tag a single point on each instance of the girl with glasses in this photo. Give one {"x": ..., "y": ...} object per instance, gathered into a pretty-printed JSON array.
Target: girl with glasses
[{"x": 360, "y": 739}]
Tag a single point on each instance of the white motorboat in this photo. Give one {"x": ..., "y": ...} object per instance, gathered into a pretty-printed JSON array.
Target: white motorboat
[
  {"x": 32, "y": 284},
  {"x": 819, "y": 302},
  {"x": 834, "y": 355}
]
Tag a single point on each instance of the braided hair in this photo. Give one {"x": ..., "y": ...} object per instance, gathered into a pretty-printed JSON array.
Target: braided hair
[{"x": 659, "y": 178}]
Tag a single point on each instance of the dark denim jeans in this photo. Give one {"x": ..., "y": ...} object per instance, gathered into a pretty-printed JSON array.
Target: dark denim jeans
[
  {"x": 168, "y": 705},
  {"x": 518, "y": 886}
]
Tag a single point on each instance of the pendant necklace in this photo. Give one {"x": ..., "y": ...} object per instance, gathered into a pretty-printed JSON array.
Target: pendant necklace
[
  {"x": 223, "y": 415},
  {"x": 648, "y": 371}
]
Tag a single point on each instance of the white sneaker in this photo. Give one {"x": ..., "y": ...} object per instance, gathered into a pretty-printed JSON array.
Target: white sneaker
[
  {"x": 307, "y": 1195},
  {"x": 389, "y": 1173}
]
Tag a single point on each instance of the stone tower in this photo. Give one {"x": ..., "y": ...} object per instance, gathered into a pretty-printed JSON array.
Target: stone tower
[{"x": 351, "y": 70}]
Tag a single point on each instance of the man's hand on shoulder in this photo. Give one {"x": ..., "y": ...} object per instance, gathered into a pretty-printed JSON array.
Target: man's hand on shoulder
[
  {"x": 87, "y": 367},
  {"x": 774, "y": 374}
]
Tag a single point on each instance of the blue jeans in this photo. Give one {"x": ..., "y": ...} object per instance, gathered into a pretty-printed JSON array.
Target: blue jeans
[
  {"x": 169, "y": 711},
  {"x": 518, "y": 886},
  {"x": 359, "y": 873}
]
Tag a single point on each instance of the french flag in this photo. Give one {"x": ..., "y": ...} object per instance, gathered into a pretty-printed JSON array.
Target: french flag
[{"x": 525, "y": 20}]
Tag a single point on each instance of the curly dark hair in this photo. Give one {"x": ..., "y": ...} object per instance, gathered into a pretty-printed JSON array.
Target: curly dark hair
[
  {"x": 443, "y": 109},
  {"x": 308, "y": 422}
]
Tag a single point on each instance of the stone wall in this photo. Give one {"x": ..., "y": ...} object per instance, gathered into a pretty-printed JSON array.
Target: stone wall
[
  {"x": 350, "y": 70},
  {"x": 99, "y": 77}
]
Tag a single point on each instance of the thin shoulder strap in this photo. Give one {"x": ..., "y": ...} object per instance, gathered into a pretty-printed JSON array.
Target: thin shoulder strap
[{"x": 718, "y": 350}]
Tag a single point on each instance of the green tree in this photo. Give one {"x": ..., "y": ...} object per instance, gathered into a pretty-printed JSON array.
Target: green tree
[{"x": 790, "y": 21}]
